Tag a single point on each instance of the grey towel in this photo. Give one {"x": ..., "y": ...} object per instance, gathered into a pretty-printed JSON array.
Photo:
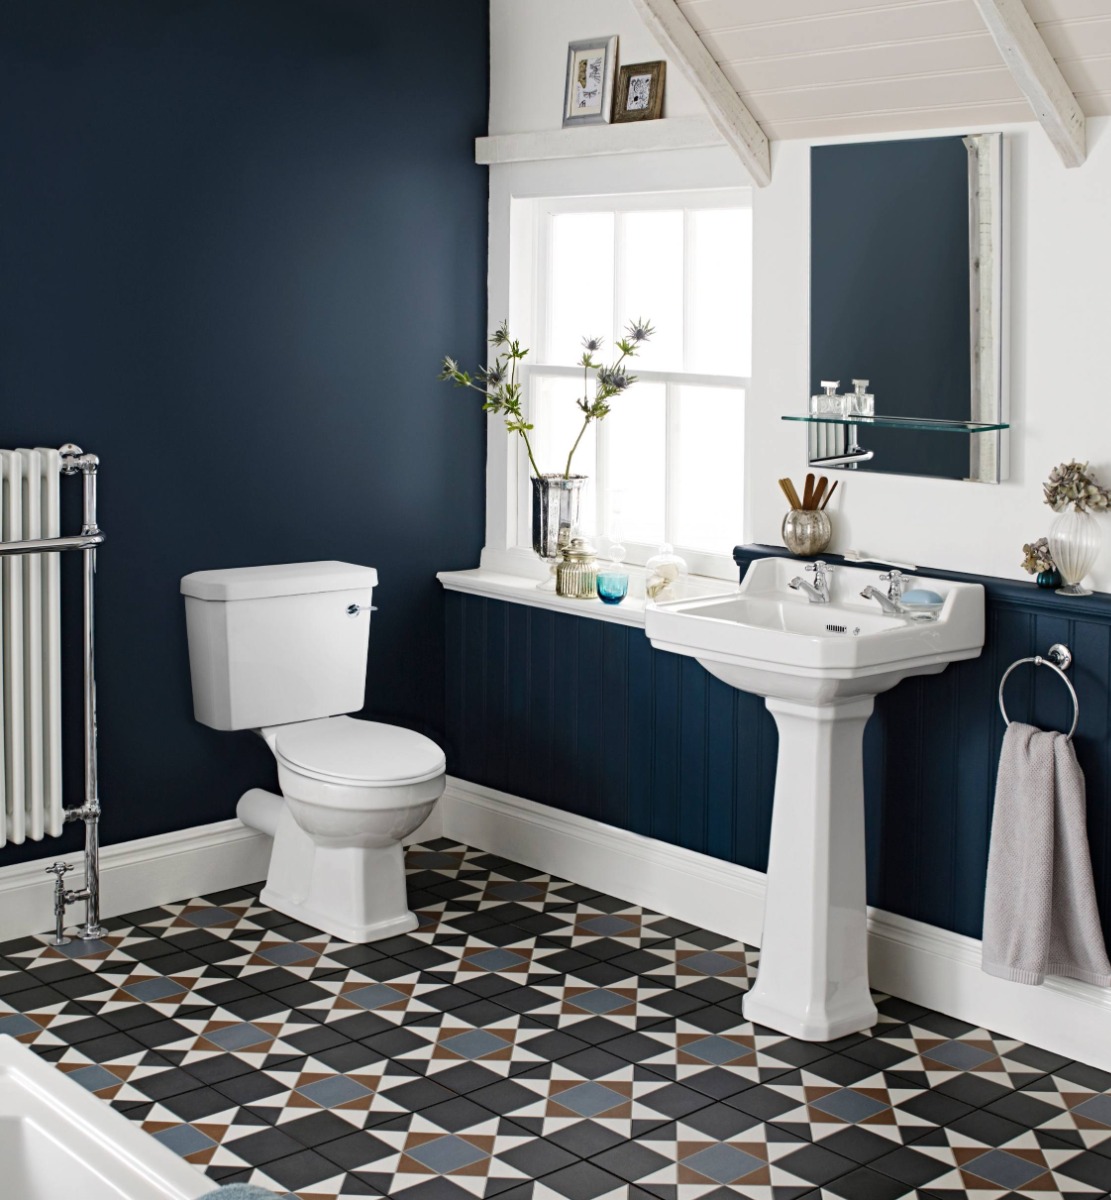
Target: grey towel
[
  {"x": 239, "y": 1191},
  {"x": 1040, "y": 915}
]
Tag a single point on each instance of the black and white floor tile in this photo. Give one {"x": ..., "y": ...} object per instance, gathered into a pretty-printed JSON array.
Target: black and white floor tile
[{"x": 532, "y": 1040}]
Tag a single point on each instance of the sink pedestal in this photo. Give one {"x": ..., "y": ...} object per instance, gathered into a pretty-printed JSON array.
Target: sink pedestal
[{"x": 813, "y": 977}]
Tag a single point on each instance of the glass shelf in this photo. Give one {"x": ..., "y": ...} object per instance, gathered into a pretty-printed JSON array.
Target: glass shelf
[{"x": 926, "y": 423}]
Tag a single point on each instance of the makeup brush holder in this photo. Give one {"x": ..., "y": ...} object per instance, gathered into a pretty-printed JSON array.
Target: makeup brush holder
[{"x": 806, "y": 531}]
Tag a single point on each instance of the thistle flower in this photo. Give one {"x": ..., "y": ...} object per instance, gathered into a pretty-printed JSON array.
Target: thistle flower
[
  {"x": 640, "y": 330},
  {"x": 502, "y": 393}
]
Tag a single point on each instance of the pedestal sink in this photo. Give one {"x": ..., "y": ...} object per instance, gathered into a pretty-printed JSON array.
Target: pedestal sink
[{"x": 819, "y": 667}]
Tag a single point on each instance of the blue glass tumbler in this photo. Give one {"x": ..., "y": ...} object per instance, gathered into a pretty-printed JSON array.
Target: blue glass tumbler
[{"x": 612, "y": 586}]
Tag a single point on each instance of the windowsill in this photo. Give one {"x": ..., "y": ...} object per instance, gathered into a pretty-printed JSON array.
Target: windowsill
[{"x": 521, "y": 589}]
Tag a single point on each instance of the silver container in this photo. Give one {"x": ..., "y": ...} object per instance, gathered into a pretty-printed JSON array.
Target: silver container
[
  {"x": 555, "y": 513},
  {"x": 577, "y": 571},
  {"x": 806, "y": 531}
]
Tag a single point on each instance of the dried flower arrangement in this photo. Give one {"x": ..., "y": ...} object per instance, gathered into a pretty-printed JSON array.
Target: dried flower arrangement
[
  {"x": 1071, "y": 484},
  {"x": 1038, "y": 557}
]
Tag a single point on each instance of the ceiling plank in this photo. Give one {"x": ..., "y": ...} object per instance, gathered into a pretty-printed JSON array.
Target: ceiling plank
[
  {"x": 1038, "y": 76},
  {"x": 726, "y": 109}
]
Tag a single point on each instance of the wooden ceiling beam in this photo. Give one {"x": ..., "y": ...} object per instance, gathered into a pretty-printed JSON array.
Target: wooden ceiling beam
[
  {"x": 729, "y": 113},
  {"x": 1038, "y": 76}
]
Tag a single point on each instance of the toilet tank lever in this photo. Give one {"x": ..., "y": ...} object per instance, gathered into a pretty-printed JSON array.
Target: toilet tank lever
[{"x": 353, "y": 610}]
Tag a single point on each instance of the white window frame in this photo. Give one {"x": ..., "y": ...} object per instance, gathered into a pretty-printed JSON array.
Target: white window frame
[{"x": 509, "y": 294}]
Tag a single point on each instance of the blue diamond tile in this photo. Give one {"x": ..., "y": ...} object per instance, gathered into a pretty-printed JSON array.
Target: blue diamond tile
[
  {"x": 287, "y": 954},
  {"x": 723, "y": 1163},
  {"x": 203, "y": 918},
  {"x": 17, "y": 1025},
  {"x": 475, "y": 1043},
  {"x": 95, "y": 1078},
  {"x": 184, "y": 1139},
  {"x": 715, "y": 1049},
  {"x": 376, "y": 995},
  {"x": 238, "y": 1037},
  {"x": 960, "y": 1055},
  {"x": 589, "y": 1099},
  {"x": 601, "y": 1000},
  {"x": 496, "y": 960},
  {"x": 447, "y": 1154},
  {"x": 149, "y": 990},
  {"x": 1006, "y": 1170},
  {"x": 849, "y": 1106},
  {"x": 330, "y": 1092},
  {"x": 709, "y": 963},
  {"x": 607, "y": 926}
]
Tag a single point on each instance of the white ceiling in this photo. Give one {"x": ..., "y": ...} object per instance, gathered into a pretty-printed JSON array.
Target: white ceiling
[{"x": 816, "y": 68}]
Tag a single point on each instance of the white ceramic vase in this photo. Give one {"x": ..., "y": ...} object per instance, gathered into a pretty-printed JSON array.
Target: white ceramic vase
[{"x": 1074, "y": 541}]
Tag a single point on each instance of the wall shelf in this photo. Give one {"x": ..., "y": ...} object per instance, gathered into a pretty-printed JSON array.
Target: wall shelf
[
  {"x": 644, "y": 137},
  {"x": 923, "y": 423}
]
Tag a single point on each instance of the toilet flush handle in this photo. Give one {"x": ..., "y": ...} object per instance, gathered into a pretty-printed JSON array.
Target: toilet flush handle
[{"x": 353, "y": 610}]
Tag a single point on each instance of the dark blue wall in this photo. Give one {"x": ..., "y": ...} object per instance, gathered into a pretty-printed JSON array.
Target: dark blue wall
[
  {"x": 236, "y": 238},
  {"x": 585, "y": 716}
]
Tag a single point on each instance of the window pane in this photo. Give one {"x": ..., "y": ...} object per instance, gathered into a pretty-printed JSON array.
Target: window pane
[
  {"x": 633, "y": 468},
  {"x": 557, "y": 423},
  {"x": 719, "y": 340},
  {"x": 650, "y": 284},
  {"x": 708, "y": 460},
  {"x": 580, "y": 294}
]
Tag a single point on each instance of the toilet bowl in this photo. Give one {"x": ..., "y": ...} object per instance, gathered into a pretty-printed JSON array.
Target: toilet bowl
[{"x": 282, "y": 650}]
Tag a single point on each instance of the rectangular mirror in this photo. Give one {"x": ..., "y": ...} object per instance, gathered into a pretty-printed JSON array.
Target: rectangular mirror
[{"x": 906, "y": 293}]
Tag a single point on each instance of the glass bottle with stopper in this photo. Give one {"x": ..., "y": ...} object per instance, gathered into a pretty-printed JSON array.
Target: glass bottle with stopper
[
  {"x": 861, "y": 403},
  {"x": 829, "y": 403}
]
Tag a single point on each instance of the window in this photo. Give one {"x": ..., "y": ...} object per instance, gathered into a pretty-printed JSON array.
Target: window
[{"x": 667, "y": 464}]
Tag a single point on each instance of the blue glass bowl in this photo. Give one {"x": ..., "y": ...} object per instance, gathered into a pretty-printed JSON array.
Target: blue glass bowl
[{"x": 612, "y": 586}]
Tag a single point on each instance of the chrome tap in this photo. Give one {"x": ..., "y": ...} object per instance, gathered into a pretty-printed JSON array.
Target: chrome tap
[
  {"x": 892, "y": 602},
  {"x": 818, "y": 591}
]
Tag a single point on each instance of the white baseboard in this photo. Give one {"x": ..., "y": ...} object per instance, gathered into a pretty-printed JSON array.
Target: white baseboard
[
  {"x": 148, "y": 871},
  {"x": 138, "y": 874},
  {"x": 917, "y": 962}
]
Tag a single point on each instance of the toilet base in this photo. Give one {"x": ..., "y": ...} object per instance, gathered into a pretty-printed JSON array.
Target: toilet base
[
  {"x": 354, "y": 892},
  {"x": 358, "y": 934}
]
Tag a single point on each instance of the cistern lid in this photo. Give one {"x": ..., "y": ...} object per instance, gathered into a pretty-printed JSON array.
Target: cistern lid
[
  {"x": 282, "y": 579},
  {"x": 343, "y": 748}
]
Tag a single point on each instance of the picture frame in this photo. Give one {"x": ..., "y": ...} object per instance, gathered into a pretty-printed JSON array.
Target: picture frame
[
  {"x": 591, "y": 69},
  {"x": 640, "y": 92}
]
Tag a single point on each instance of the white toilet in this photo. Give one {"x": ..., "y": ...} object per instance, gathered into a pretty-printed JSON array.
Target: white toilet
[{"x": 282, "y": 650}]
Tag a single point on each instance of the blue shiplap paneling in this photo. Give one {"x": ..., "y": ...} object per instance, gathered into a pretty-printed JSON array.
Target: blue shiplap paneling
[{"x": 587, "y": 717}]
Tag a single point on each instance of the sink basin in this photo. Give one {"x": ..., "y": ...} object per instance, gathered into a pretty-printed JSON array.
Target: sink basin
[
  {"x": 766, "y": 639},
  {"x": 818, "y": 667}
]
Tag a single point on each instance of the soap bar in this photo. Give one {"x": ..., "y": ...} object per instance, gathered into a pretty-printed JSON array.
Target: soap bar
[{"x": 922, "y": 598}]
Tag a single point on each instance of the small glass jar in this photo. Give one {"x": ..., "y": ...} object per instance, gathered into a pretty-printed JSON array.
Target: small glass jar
[
  {"x": 666, "y": 574},
  {"x": 577, "y": 571}
]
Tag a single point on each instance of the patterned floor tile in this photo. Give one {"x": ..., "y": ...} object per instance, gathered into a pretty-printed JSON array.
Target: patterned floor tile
[
  {"x": 717, "y": 1063},
  {"x": 1076, "y": 1114},
  {"x": 853, "y": 1112},
  {"x": 958, "y": 1059},
  {"x": 715, "y": 1153},
  {"x": 481, "y": 1156},
  {"x": 532, "y": 1039}
]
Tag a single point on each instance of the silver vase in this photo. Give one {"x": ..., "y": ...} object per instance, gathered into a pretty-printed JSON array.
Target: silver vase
[
  {"x": 555, "y": 513},
  {"x": 806, "y": 531}
]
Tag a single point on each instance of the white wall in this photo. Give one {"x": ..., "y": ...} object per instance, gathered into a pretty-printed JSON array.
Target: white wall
[{"x": 1058, "y": 287}]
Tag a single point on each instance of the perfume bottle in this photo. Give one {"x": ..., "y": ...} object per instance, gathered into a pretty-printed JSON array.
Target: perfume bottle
[
  {"x": 829, "y": 403},
  {"x": 861, "y": 403}
]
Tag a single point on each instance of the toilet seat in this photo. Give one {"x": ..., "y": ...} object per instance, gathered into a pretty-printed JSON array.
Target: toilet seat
[{"x": 361, "y": 754}]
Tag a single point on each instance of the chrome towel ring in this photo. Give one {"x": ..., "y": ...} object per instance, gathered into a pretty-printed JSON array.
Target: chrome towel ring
[{"x": 1059, "y": 659}]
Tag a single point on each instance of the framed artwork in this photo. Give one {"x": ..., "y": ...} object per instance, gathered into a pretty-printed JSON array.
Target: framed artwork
[
  {"x": 640, "y": 92},
  {"x": 591, "y": 67}
]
